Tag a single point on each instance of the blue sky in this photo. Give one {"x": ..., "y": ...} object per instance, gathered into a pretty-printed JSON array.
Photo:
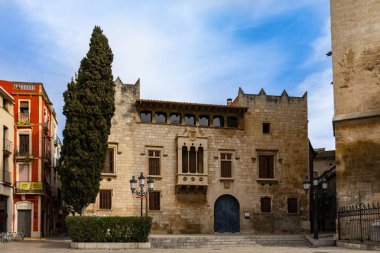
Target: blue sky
[{"x": 195, "y": 51}]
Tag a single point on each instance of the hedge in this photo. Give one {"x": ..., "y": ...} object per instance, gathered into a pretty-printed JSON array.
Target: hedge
[{"x": 108, "y": 229}]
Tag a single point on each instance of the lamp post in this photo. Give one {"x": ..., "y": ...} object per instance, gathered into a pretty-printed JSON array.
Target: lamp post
[
  {"x": 316, "y": 191},
  {"x": 141, "y": 193}
]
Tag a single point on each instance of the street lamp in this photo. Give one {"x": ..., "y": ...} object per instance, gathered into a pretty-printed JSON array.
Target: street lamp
[
  {"x": 141, "y": 193},
  {"x": 316, "y": 191}
]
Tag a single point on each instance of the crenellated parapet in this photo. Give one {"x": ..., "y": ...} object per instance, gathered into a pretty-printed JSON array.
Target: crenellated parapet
[{"x": 262, "y": 97}]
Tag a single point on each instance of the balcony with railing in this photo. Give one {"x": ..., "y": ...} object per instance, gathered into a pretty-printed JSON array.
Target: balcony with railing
[
  {"x": 47, "y": 156},
  {"x": 23, "y": 118},
  {"x": 31, "y": 187},
  {"x": 8, "y": 147},
  {"x": 7, "y": 177}
]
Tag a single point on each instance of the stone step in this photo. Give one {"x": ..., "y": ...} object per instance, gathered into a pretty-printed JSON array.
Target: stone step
[{"x": 207, "y": 241}]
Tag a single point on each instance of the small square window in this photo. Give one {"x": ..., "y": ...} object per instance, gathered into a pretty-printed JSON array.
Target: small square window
[
  {"x": 146, "y": 117},
  {"x": 218, "y": 121},
  {"x": 160, "y": 117},
  {"x": 232, "y": 122},
  {"x": 189, "y": 120},
  {"x": 204, "y": 120},
  {"x": 266, "y": 128},
  {"x": 266, "y": 204},
  {"x": 175, "y": 118}
]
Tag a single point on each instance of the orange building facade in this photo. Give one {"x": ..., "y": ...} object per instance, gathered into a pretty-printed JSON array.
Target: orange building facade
[{"x": 36, "y": 196}]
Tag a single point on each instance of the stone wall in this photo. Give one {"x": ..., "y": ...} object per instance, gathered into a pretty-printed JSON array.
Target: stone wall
[
  {"x": 356, "y": 71},
  {"x": 356, "y": 55},
  {"x": 193, "y": 212}
]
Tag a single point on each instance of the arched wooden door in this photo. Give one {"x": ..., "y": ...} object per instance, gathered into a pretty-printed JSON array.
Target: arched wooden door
[{"x": 226, "y": 215}]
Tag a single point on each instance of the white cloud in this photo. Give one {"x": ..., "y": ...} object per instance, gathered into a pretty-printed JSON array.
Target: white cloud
[
  {"x": 320, "y": 92},
  {"x": 175, "y": 47},
  {"x": 320, "y": 107},
  {"x": 170, "y": 46},
  {"x": 321, "y": 46}
]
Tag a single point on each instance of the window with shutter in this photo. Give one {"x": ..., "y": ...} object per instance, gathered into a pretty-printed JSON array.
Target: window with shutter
[
  {"x": 154, "y": 162},
  {"x": 266, "y": 204},
  {"x": 154, "y": 200},
  {"x": 266, "y": 166},
  {"x": 292, "y": 205},
  {"x": 108, "y": 166},
  {"x": 226, "y": 165},
  {"x": 105, "y": 199},
  {"x": 24, "y": 145}
]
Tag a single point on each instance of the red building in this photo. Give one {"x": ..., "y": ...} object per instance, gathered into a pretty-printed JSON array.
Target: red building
[{"x": 36, "y": 195}]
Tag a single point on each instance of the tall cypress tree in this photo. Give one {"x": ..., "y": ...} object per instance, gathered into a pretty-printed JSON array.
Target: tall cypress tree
[{"x": 89, "y": 108}]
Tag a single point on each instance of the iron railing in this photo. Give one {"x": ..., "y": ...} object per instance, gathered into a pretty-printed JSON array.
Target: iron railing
[
  {"x": 8, "y": 146},
  {"x": 359, "y": 222},
  {"x": 23, "y": 118},
  {"x": 7, "y": 177}
]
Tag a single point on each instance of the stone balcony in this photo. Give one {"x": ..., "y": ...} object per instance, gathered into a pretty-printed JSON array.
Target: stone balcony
[{"x": 191, "y": 183}]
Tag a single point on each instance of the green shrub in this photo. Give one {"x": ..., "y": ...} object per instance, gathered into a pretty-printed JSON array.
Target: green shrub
[{"x": 108, "y": 229}]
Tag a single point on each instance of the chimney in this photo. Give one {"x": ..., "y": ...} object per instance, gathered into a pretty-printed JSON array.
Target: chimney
[{"x": 229, "y": 101}]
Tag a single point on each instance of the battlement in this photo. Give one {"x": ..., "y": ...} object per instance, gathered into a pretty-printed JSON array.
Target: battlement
[
  {"x": 244, "y": 99},
  {"x": 130, "y": 89}
]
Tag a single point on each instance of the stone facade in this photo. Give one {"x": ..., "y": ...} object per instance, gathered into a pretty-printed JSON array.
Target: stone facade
[
  {"x": 195, "y": 201},
  {"x": 356, "y": 71}
]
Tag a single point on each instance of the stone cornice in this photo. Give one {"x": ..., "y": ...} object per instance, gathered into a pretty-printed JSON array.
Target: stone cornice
[
  {"x": 157, "y": 104},
  {"x": 355, "y": 116}
]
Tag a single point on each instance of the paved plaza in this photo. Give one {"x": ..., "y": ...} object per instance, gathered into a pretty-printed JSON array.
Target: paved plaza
[{"x": 61, "y": 245}]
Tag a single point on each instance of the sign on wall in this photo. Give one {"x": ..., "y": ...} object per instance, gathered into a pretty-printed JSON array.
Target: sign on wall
[
  {"x": 24, "y": 186},
  {"x": 24, "y": 206}
]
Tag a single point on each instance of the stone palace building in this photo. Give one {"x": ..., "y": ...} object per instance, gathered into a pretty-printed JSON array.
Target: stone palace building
[{"x": 216, "y": 168}]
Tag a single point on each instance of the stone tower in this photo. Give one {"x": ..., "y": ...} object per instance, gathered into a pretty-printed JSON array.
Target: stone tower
[{"x": 355, "y": 29}]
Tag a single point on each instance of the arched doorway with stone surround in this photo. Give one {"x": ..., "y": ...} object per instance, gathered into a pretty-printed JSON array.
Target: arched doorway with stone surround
[{"x": 227, "y": 214}]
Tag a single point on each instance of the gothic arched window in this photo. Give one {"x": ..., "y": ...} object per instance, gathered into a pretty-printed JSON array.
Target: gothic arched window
[
  {"x": 193, "y": 160},
  {"x": 185, "y": 160},
  {"x": 200, "y": 160}
]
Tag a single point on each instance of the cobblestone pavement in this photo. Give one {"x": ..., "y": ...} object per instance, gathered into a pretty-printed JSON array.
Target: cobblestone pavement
[{"x": 63, "y": 246}]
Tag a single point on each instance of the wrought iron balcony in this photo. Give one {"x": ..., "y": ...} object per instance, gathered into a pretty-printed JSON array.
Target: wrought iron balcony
[
  {"x": 7, "y": 179},
  {"x": 31, "y": 187},
  {"x": 8, "y": 147},
  {"x": 21, "y": 154},
  {"x": 23, "y": 118},
  {"x": 47, "y": 156}
]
